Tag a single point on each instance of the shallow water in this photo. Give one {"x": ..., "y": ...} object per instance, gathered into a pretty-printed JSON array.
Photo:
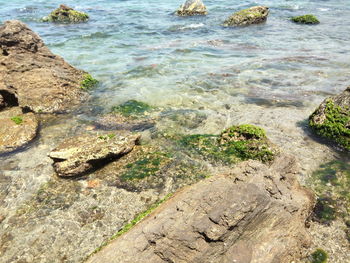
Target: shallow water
[{"x": 272, "y": 75}]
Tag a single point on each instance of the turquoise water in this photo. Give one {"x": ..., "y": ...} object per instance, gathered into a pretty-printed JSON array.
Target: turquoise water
[{"x": 140, "y": 50}]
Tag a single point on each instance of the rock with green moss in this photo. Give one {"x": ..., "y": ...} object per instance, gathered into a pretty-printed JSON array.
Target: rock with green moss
[
  {"x": 305, "y": 19},
  {"x": 332, "y": 119},
  {"x": 88, "y": 82},
  {"x": 191, "y": 8},
  {"x": 249, "y": 16},
  {"x": 132, "y": 108},
  {"x": 65, "y": 14},
  {"x": 319, "y": 256}
]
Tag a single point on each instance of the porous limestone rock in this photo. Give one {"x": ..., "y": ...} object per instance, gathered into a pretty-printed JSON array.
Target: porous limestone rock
[
  {"x": 66, "y": 14},
  {"x": 81, "y": 154},
  {"x": 191, "y": 8},
  {"x": 252, "y": 15},
  {"x": 255, "y": 214}
]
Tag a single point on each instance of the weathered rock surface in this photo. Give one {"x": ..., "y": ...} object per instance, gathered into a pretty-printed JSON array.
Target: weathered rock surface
[
  {"x": 34, "y": 78},
  {"x": 81, "y": 154},
  {"x": 16, "y": 129},
  {"x": 252, "y": 15},
  {"x": 115, "y": 121},
  {"x": 256, "y": 214},
  {"x": 332, "y": 119},
  {"x": 65, "y": 14},
  {"x": 191, "y": 8}
]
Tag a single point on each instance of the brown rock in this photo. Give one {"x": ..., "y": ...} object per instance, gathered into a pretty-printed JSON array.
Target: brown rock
[
  {"x": 32, "y": 76},
  {"x": 249, "y": 16},
  {"x": 16, "y": 129},
  {"x": 115, "y": 121},
  {"x": 81, "y": 154},
  {"x": 256, "y": 214}
]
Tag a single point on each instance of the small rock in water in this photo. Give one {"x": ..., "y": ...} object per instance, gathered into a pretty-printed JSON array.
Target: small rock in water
[
  {"x": 191, "y": 8},
  {"x": 306, "y": 19},
  {"x": 65, "y": 14},
  {"x": 84, "y": 153},
  {"x": 16, "y": 129},
  {"x": 249, "y": 16}
]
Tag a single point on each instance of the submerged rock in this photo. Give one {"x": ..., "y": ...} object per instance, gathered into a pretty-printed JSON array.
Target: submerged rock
[
  {"x": 332, "y": 119},
  {"x": 16, "y": 129},
  {"x": 305, "y": 19},
  {"x": 115, "y": 121},
  {"x": 78, "y": 155},
  {"x": 65, "y": 14},
  {"x": 255, "y": 214},
  {"x": 252, "y": 15},
  {"x": 34, "y": 78},
  {"x": 191, "y": 8}
]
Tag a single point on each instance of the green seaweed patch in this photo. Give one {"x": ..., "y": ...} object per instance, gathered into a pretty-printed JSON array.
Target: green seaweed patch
[
  {"x": 132, "y": 108},
  {"x": 66, "y": 16},
  {"x": 237, "y": 143},
  {"x": 138, "y": 218},
  {"x": 325, "y": 210},
  {"x": 17, "y": 119},
  {"x": 319, "y": 256},
  {"x": 305, "y": 19},
  {"x": 146, "y": 166},
  {"x": 88, "y": 82},
  {"x": 107, "y": 136},
  {"x": 336, "y": 124}
]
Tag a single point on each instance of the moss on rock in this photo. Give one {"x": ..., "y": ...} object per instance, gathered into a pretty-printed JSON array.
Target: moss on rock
[
  {"x": 305, "y": 19},
  {"x": 65, "y": 14},
  {"x": 252, "y": 15},
  {"x": 88, "y": 82},
  {"x": 319, "y": 256},
  {"x": 17, "y": 119}
]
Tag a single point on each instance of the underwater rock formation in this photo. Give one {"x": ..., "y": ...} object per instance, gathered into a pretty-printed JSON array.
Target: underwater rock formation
[
  {"x": 16, "y": 129},
  {"x": 252, "y": 15},
  {"x": 34, "y": 78},
  {"x": 255, "y": 214},
  {"x": 332, "y": 119},
  {"x": 65, "y": 14},
  {"x": 81, "y": 154},
  {"x": 305, "y": 19},
  {"x": 192, "y": 8}
]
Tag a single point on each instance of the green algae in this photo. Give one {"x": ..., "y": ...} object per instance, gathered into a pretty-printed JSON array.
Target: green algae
[
  {"x": 66, "y": 16},
  {"x": 17, "y": 119},
  {"x": 319, "y": 256},
  {"x": 335, "y": 126},
  {"x": 237, "y": 143},
  {"x": 245, "y": 16},
  {"x": 107, "y": 136},
  {"x": 88, "y": 82},
  {"x": 305, "y": 19},
  {"x": 132, "y": 108}
]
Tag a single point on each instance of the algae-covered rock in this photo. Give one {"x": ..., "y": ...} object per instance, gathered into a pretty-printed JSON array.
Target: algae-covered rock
[
  {"x": 78, "y": 155},
  {"x": 305, "y": 19},
  {"x": 34, "y": 78},
  {"x": 132, "y": 108},
  {"x": 117, "y": 121},
  {"x": 191, "y": 8},
  {"x": 16, "y": 129},
  {"x": 332, "y": 119},
  {"x": 65, "y": 14},
  {"x": 252, "y": 15},
  {"x": 255, "y": 214}
]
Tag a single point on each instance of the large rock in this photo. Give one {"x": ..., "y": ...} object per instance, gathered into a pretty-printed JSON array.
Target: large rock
[
  {"x": 16, "y": 129},
  {"x": 256, "y": 214},
  {"x": 191, "y": 8},
  {"x": 332, "y": 119},
  {"x": 252, "y": 15},
  {"x": 65, "y": 14},
  {"x": 78, "y": 155},
  {"x": 34, "y": 78}
]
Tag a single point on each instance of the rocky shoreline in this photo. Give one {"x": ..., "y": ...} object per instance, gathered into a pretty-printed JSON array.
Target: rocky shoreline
[{"x": 226, "y": 207}]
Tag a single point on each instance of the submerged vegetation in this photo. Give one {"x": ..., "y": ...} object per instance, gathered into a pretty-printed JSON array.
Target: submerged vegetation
[
  {"x": 319, "y": 256},
  {"x": 132, "y": 108}
]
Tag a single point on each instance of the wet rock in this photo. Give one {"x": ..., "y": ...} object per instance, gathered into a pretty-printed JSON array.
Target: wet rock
[
  {"x": 256, "y": 214},
  {"x": 252, "y": 15},
  {"x": 191, "y": 8},
  {"x": 332, "y": 119},
  {"x": 305, "y": 19},
  {"x": 65, "y": 14},
  {"x": 115, "y": 121},
  {"x": 2, "y": 102},
  {"x": 34, "y": 78},
  {"x": 78, "y": 155},
  {"x": 16, "y": 129}
]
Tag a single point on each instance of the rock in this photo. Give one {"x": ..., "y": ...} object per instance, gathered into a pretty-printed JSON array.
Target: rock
[
  {"x": 82, "y": 154},
  {"x": 306, "y": 19},
  {"x": 65, "y": 14},
  {"x": 16, "y": 129},
  {"x": 115, "y": 121},
  {"x": 255, "y": 214},
  {"x": 191, "y": 8},
  {"x": 332, "y": 119},
  {"x": 252, "y": 15},
  {"x": 34, "y": 78}
]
